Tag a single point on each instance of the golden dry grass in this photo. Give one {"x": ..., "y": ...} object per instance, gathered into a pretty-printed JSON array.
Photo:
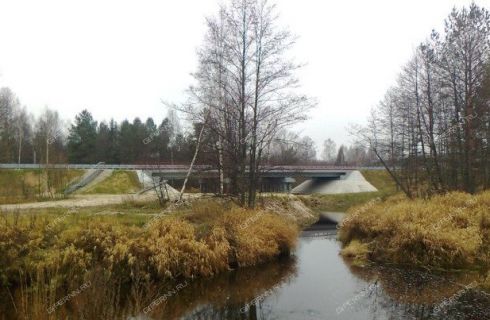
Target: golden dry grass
[
  {"x": 173, "y": 245},
  {"x": 106, "y": 299},
  {"x": 447, "y": 232},
  {"x": 46, "y": 253},
  {"x": 257, "y": 235},
  {"x": 356, "y": 251}
]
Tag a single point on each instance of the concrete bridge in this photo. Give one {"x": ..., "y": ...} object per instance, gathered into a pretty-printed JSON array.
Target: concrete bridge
[
  {"x": 274, "y": 178},
  {"x": 179, "y": 171}
]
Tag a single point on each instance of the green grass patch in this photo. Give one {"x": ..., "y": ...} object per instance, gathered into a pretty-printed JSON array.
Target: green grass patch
[
  {"x": 18, "y": 186},
  {"x": 119, "y": 182},
  {"x": 129, "y": 213},
  {"x": 342, "y": 202},
  {"x": 382, "y": 180}
]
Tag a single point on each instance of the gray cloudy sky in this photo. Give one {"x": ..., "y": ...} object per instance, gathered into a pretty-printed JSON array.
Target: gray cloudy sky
[{"x": 118, "y": 59}]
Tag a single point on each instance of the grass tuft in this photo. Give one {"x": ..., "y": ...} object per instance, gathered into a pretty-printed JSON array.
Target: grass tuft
[
  {"x": 357, "y": 251},
  {"x": 446, "y": 232}
]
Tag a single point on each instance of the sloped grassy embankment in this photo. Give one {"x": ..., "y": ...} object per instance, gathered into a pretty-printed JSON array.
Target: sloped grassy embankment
[
  {"x": 342, "y": 202},
  {"x": 119, "y": 182},
  {"x": 19, "y": 186},
  {"x": 47, "y": 253},
  {"x": 447, "y": 232}
]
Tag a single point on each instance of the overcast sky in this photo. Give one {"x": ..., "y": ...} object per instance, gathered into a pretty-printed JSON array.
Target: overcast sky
[{"x": 118, "y": 59}]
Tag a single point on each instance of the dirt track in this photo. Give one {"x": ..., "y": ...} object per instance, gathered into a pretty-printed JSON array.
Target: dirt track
[{"x": 80, "y": 201}]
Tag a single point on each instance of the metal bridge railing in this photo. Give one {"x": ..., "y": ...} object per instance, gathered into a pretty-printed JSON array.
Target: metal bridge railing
[{"x": 175, "y": 167}]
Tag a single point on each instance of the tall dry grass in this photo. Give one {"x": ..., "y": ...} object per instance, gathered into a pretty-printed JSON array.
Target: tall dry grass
[
  {"x": 173, "y": 246},
  {"x": 447, "y": 232},
  {"x": 109, "y": 298}
]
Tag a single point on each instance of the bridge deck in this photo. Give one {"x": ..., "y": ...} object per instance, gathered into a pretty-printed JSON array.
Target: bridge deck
[
  {"x": 171, "y": 166},
  {"x": 179, "y": 171}
]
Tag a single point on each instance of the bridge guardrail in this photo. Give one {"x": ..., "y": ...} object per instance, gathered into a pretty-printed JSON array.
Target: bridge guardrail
[{"x": 168, "y": 167}]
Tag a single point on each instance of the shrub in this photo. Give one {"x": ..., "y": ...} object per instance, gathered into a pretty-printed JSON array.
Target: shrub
[
  {"x": 70, "y": 245},
  {"x": 176, "y": 251},
  {"x": 257, "y": 236},
  {"x": 357, "y": 251},
  {"x": 448, "y": 231}
]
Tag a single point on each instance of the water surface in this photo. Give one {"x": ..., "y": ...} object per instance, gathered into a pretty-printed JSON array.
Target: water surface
[
  {"x": 320, "y": 284},
  {"x": 315, "y": 283}
]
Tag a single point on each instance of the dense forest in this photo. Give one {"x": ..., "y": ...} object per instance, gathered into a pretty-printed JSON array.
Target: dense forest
[{"x": 49, "y": 139}]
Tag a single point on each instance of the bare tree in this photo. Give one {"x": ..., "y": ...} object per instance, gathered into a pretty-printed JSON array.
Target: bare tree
[
  {"x": 49, "y": 131},
  {"x": 329, "y": 150},
  {"x": 431, "y": 129},
  {"x": 191, "y": 166},
  {"x": 247, "y": 82},
  {"x": 22, "y": 129},
  {"x": 8, "y": 108}
]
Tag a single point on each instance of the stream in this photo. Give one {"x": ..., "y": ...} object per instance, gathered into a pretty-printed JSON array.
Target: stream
[
  {"x": 317, "y": 283},
  {"x": 314, "y": 283}
]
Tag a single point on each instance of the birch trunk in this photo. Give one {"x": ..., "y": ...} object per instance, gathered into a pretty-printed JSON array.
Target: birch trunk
[{"x": 192, "y": 162}]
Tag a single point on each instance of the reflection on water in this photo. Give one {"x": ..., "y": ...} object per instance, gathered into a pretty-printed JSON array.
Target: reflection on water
[
  {"x": 325, "y": 286},
  {"x": 225, "y": 296},
  {"x": 319, "y": 284},
  {"x": 316, "y": 283}
]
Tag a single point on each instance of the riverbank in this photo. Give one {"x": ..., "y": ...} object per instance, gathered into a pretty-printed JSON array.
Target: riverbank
[
  {"x": 202, "y": 238},
  {"x": 449, "y": 232},
  {"x": 45, "y": 253},
  {"x": 313, "y": 283}
]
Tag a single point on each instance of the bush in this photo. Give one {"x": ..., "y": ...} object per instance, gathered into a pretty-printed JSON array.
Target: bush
[
  {"x": 175, "y": 250},
  {"x": 449, "y": 231},
  {"x": 69, "y": 245},
  {"x": 357, "y": 251},
  {"x": 257, "y": 236}
]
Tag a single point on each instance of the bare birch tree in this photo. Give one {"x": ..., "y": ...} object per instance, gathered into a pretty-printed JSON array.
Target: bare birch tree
[
  {"x": 431, "y": 129},
  {"x": 247, "y": 82}
]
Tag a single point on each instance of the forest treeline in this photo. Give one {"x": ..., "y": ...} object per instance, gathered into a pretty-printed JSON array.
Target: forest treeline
[
  {"x": 432, "y": 129},
  {"x": 48, "y": 139},
  {"x": 28, "y": 139}
]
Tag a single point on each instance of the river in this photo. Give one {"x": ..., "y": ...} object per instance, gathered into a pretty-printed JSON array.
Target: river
[{"x": 315, "y": 283}]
